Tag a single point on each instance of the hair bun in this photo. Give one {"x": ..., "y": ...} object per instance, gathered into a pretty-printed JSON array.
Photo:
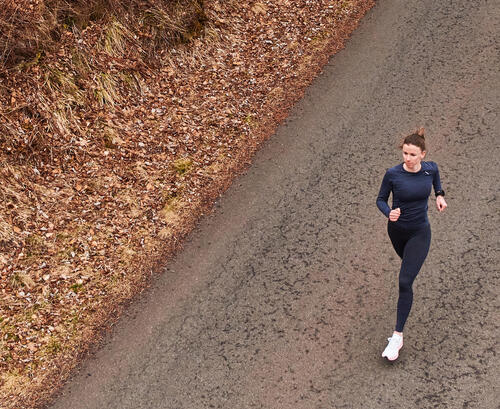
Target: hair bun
[{"x": 420, "y": 132}]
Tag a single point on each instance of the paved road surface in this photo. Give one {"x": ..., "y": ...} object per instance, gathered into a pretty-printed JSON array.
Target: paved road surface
[{"x": 285, "y": 296}]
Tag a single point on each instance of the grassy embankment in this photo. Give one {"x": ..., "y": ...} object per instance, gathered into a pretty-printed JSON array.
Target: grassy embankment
[
  {"x": 68, "y": 69},
  {"x": 120, "y": 123}
]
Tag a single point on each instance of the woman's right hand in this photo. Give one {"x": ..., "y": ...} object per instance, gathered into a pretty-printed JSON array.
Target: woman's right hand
[{"x": 394, "y": 214}]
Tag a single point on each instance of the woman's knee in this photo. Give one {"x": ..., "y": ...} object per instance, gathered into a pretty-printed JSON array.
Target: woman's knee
[{"x": 405, "y": 284}]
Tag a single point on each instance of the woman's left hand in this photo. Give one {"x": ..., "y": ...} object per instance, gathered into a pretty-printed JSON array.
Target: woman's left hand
[{"x": 441, "y": 203}]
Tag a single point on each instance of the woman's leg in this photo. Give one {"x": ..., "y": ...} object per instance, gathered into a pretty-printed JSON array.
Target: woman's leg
[
  {"x": 414, "y": 254},
  {"x": 398, "y": 238}
]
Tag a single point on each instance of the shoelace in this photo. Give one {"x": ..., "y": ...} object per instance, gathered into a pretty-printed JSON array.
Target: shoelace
[{"x": 390, "y": 339}]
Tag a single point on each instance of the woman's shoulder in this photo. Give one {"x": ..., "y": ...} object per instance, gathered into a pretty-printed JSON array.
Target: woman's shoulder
[
  {"x": 429, "y": 165},
  {"x": 395, "y": 169}
]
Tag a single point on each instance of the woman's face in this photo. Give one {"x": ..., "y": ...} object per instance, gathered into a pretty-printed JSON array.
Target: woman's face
[{"x": 412, "y": 156}]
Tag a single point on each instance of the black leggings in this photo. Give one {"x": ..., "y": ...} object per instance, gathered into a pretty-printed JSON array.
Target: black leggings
[{"x": 412, "y": 246}]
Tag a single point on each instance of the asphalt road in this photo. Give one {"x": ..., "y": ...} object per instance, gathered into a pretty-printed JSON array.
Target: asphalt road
[{"x": 284, "y": 297}]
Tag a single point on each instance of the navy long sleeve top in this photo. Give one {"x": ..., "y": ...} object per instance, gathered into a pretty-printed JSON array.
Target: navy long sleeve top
[{"x": 410, "y": 192}]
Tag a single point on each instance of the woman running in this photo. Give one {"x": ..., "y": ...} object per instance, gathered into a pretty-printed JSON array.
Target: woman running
[{"x": 409, "y": 230}]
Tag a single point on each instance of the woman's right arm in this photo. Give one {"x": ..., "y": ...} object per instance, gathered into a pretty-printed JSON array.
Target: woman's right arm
[{"x": 383, "y": 195}]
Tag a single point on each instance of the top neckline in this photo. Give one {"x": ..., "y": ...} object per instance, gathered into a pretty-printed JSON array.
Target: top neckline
[{"x": 412, "y": 173}]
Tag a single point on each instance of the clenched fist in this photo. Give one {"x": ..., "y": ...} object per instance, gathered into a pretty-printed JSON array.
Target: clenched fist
[
  {"x": 441, "y": 203},
  {"x": 394, "y": 214}
]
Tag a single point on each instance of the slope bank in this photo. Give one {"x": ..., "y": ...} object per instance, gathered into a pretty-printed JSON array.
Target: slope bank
[{"x": 110, "y": 153}]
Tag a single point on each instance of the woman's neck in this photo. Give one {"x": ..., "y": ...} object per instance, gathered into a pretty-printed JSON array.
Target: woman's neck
[{"x": 414, "y": 170}]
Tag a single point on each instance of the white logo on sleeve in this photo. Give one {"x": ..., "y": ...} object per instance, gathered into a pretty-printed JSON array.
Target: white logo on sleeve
[{"x": 427, "y": 173}]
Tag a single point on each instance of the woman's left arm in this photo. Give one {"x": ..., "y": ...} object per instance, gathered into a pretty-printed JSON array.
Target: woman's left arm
[{"x": 440, "y": 202}]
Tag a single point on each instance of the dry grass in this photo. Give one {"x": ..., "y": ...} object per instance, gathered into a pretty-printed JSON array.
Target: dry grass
[
  {"x": 50, "y": 46},
  {"x": 31, "y": 27}
]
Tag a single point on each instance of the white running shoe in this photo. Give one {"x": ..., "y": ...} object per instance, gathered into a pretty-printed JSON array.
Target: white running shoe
[{"x": 391, "y": 351}]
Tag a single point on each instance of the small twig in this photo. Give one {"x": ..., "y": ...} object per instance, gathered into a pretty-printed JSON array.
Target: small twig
[{"x": 5, "y": 113}]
